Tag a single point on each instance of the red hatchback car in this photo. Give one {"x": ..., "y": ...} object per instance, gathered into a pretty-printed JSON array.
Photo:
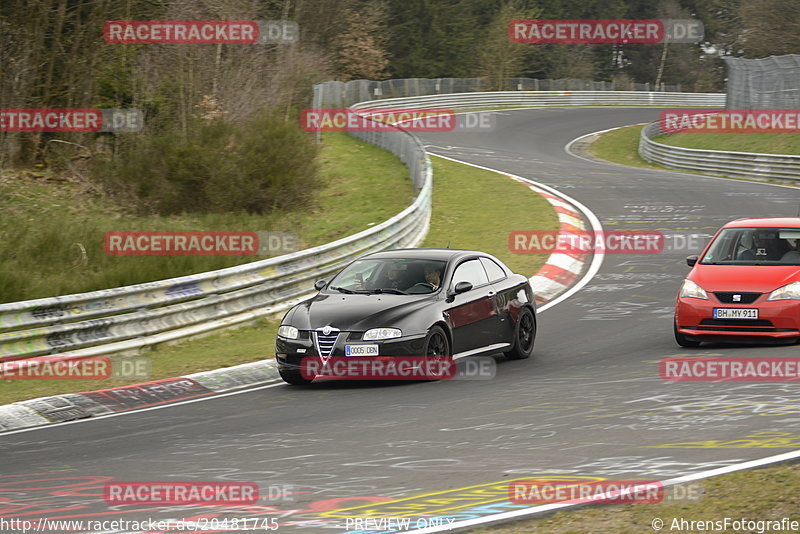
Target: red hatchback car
[{"x": 745, "y": 287}]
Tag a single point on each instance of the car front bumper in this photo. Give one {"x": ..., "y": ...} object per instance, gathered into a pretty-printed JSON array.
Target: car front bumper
[
  {"x": 777, "y": 319},
  {"x": 290, "y": 352}
]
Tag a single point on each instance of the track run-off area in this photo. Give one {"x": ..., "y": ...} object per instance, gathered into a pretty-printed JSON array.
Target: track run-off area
[{"x": 589, "y": 403}]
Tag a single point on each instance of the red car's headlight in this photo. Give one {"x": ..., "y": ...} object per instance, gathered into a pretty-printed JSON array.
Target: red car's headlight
[
  {"x": 690, "y": 289},
  {"x": 787, "y": 292}
]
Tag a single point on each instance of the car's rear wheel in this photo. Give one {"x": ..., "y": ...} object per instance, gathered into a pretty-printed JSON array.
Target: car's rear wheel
[
  {"x": 293, "y": 377},
  {"x": 437, "y": 348},
  {"x": 682, "y": 340},
  {"x": 524, "y": 337}
]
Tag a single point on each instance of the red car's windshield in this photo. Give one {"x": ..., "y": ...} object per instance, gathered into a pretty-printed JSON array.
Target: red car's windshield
[{"x": 755, "y": 246}]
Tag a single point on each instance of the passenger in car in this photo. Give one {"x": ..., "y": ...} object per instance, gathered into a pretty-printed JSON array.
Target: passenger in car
[
  {"x": 433, "y": 277},
  {"x": 793, "y": 255},
  {"x": 396, "y": 276}
]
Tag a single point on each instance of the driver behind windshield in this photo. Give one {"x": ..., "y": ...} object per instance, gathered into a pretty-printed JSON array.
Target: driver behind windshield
[{"x": 766, "y": 246}]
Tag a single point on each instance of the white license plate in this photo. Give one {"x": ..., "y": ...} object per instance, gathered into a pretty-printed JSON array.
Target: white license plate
[
  {"x": 361, "y": 350},
  {"x": 735, "y": 313}
]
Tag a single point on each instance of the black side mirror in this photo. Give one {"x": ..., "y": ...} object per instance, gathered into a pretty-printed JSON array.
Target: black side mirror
[
  {"x": 692, "y": 260},
  {"x": 462, "y": 287},
  {"x": 319, "y": 284}
]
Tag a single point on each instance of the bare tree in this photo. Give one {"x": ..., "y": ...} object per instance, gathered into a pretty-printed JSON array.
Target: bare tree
[
  {"x": 499, "y": 58},
  {"x": 360, "y": 51},
  {"x": 769, "y": 27}
]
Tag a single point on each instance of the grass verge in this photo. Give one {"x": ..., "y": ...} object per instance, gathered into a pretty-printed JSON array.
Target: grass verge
[
  {"x": 770, "y": 493},
  {"x": 765, "y": 143},
  {"x": 472, "y": 208},
  {"x": 621, "y": 145},
  {"x": 477, "y": 209},
  {"x": 222, "y": 349},
  {"x": 52, "y": 229}
]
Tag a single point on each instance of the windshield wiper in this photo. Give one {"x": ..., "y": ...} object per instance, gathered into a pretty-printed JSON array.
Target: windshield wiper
[
  {"x": 350, "y": 291},
  {"x": 344, "y": 290},
  {"x": 389, "y": 290}
]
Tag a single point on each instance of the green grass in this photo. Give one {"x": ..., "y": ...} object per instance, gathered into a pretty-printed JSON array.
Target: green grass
[
  {"x": 621, "y": 145},
  {"x": 765, "y": 143},
  {"x": 764, "y": 494},
  {"x": 47, "y": 222},
  {"x": 477, "y": 209},
  {"x": 222, "y": 349},
  {"x": 472, "y": 208}
]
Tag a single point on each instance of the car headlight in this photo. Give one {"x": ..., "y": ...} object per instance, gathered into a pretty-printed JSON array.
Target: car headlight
[
  {"x": 375, "y": 334},
  {"x": 690, "y": 289},
  {"x": 787, "y": 292},
  {"x": 289, "y": 332}
]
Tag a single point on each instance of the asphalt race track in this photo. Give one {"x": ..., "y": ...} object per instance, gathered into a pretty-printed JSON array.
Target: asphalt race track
[{"x": 590, "y": 402}]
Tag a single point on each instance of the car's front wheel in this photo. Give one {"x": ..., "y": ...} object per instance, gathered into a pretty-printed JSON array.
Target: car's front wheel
[
  {"x": 293, "y": 377},
  {"x": 524, "y": 337},
  {"x": 682, "y": 340},
  {"x": 437, "y": 349}
]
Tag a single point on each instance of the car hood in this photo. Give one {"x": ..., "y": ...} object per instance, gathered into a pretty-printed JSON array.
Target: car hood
[
  {"x": 744, "y": 278},
  {"x": 356, "y": 312}
]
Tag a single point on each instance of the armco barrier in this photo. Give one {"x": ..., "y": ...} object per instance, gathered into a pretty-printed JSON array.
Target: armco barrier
[
  {"x": 548, "y": 98},
  {"x": 718, "y": 162},
  {"x": 132, "y": 317}
]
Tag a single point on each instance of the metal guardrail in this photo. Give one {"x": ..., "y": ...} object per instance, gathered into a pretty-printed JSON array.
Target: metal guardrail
[
  {"x": 51, "y": 325},
  {"x": 335, "y": 94},
  {"x": 718, "y": 162},
  {"x": 128, "y": 318},
  {"x": 549, "y": 98}
]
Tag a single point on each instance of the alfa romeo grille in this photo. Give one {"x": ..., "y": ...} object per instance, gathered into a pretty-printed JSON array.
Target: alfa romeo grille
[{"x": 324, "y": 342}]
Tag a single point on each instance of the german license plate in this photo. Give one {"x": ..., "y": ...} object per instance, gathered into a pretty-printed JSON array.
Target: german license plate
[
  {"x": 735, "y": 313},
  {"x": 361, "y": 350}
]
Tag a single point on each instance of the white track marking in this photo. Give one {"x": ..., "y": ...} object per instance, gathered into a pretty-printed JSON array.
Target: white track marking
[{"x": 140, "y": 410}]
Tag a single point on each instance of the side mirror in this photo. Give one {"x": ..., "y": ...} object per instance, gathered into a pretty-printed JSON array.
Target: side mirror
[
  {"x": 692, "y": 260},
  {"x": 319, "y": 284},
  {"x": 462, "y": 287}
]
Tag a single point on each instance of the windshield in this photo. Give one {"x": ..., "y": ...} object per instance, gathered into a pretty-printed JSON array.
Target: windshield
[
  {"x": 394, "y": 275},
  {"x": 755, "y": 246}
]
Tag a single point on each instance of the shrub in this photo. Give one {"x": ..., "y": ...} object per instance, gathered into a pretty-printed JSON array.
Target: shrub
[{"x": 262, "y": 164}]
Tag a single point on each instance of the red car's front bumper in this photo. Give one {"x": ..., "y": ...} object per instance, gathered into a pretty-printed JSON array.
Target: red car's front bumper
[{"x": 777, "y": 319}]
